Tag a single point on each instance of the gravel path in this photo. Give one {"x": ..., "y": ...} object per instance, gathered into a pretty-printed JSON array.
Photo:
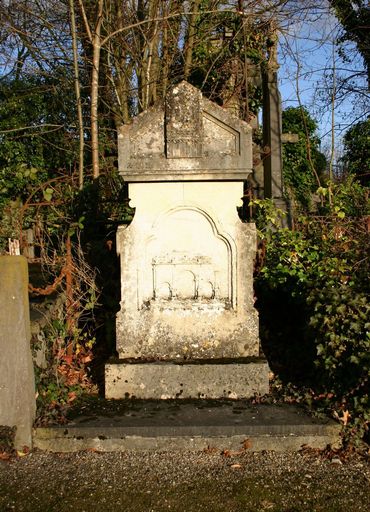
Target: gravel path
[{"x": 186, "y": 482}]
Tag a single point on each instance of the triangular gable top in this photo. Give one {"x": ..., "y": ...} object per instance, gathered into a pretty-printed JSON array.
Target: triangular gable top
[{"x": 188, "y": 139}]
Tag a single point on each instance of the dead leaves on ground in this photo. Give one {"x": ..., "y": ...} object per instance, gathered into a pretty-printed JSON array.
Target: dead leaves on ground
[
  {"x": 6, "y": 456},
  {"x": 9, "y": 454},
  {"x": 334, "y": 454},
  {"x": 236, "y": 466},
  {"x": 246, "y": 445}
]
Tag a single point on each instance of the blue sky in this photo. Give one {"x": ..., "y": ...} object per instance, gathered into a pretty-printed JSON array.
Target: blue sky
[{"x": 307, "y": 57}]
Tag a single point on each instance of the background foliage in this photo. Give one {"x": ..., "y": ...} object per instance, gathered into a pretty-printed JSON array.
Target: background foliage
[
  {"x": 313, "y": 297},
  {"x": 304, "y": 165},
  {"x": 356, "y": 158}
]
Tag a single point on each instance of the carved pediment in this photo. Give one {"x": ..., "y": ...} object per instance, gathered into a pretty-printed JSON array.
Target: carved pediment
[
  {"x": 219, "y": 138},
  {"x": 190, "y": 138}
]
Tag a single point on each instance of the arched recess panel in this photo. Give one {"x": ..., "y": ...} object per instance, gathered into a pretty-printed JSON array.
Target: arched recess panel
[{"x": 187, "y": 259}]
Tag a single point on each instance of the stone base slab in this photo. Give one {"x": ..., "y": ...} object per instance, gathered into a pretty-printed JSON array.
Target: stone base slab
[
  {"x": 173, "y": 425},
  {"x": 288, "y": 443},
  {"x": 165, "y": 380}
]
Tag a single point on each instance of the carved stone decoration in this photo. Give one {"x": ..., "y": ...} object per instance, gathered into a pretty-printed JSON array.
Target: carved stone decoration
[
  {"x": 189, "y": 139},
  {"x": 186, "y": 258},
  {"x": 204, "y": 273},
  {"x": 188, "y": 290},
  {"x": 184, "y": 127}
]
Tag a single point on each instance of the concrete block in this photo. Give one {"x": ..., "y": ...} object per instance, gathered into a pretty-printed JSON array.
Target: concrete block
[
  {"x": 171, "y": 380},
  {"x": 17, "y": 383}
]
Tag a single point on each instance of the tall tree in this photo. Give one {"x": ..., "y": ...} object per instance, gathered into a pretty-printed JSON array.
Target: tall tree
[
  {"x": 94, "y": 31},
  {"x": 78, "y": 94},
  {"x": 354, "y": 15},
  {"x": 129, "y": 52}
]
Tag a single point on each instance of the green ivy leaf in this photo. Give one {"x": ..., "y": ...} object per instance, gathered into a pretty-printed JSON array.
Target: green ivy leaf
[{"x": 48, "y": 194}]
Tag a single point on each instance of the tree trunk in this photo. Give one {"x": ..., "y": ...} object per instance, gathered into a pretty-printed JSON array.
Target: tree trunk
[
  {"x": 96, "y": 43},
  {"x": 78, "y": 95},
  {"x": 190, "y": 39},
  {"x": 69, "y": 293}
]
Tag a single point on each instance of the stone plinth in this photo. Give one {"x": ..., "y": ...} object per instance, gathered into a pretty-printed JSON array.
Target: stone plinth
[
  {"x": 187, "y": 380},
  {"x": 186, "y": 258}
]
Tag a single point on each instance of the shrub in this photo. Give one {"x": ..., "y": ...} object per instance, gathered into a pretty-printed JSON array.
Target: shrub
[{"x": 313, "y": 295}]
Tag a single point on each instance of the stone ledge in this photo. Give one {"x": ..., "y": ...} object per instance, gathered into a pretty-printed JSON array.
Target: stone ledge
[
  {"x": 169, "y": 381},
  {"x": 190, "y": 361},
  {"x": 174, "y": 425},
  {"x": 288, "y": 443}
]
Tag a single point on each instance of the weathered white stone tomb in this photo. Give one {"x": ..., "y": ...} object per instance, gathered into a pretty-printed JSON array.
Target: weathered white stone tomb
[{"x": 187, "y": 326}]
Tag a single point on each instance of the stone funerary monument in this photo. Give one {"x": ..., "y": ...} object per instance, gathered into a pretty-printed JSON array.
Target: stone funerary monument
[{"x": 187, "y": 327}]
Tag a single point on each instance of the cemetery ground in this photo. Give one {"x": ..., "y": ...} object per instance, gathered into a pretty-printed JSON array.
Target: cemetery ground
[{"x": 211, "y": 480}]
